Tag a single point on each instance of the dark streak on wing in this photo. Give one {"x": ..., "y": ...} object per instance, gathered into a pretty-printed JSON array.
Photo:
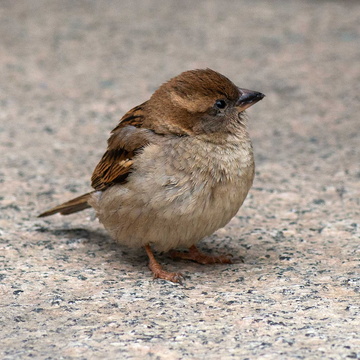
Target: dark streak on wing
[{"x": 116, "y": 163}]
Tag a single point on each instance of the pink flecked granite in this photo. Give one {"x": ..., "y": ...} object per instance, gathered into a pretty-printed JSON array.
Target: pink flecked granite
[{"x": 69, "y": 70}]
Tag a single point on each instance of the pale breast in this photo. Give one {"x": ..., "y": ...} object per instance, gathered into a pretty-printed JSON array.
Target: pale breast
[{"x": 178, "y": 193}]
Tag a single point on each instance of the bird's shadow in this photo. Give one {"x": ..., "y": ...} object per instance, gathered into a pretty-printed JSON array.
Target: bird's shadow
[
  {"x": 99, "y": 243},
  {"x": 135, "y": 258}
]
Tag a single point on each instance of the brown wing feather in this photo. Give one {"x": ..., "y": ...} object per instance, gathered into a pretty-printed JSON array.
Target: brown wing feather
[{"x": 124, "y": 142}]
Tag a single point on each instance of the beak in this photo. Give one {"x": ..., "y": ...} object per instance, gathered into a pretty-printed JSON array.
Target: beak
[{"x": 248, "y": 98}]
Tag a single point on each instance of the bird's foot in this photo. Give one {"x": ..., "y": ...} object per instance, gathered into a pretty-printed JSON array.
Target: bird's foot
[
  {"x": 195, "y": 255},
  {"x": 159, "y": 272}
]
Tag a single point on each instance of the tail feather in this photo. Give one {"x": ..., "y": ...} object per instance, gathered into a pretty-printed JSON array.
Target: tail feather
[{"x": 69, "y": 207}]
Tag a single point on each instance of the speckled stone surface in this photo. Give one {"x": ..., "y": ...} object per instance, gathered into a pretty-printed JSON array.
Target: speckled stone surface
[{"x": 69, "y": 70}]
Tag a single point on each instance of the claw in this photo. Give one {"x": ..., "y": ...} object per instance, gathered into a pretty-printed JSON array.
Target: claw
[
  {"x": 165, "y": 275},
  {"x": 159, "y": 272},
  {"x": 195, "y": 255}
]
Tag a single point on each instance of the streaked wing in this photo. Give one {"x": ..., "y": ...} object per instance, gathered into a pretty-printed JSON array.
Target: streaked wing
[{"x": 125, "y": 141}]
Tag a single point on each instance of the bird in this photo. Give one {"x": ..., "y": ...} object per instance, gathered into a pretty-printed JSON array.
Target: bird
[{"x": 177, "y": 168}]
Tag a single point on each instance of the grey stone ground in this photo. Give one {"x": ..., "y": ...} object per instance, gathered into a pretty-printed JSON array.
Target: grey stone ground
[{"x": 69, "y": 70}]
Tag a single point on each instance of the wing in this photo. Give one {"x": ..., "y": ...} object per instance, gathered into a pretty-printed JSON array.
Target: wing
[{"x": 125, "y": 141}]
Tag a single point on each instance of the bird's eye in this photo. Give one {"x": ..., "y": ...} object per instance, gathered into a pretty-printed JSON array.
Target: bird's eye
[{"x": 220, "y": 104}]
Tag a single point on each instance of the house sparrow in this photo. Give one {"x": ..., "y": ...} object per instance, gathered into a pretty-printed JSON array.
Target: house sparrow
[{"x": 177, "y": 168}]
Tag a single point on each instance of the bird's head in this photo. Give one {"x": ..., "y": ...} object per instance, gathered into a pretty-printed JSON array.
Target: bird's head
[{"x": 200, "y": 101}]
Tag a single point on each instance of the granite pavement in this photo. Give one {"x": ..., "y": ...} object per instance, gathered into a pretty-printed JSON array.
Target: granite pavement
[{"x": 69, "y": 70}]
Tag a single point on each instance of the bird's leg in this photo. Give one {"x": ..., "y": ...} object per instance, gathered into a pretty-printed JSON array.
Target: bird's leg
[
  {"x": 158, "y": 271},
  {"x": 195, "y": 254}
]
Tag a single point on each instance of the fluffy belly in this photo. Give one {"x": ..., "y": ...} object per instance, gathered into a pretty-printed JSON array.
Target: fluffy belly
[
  {"x": 175, "y": 197},
  {"x": 169, "y": 215}
]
